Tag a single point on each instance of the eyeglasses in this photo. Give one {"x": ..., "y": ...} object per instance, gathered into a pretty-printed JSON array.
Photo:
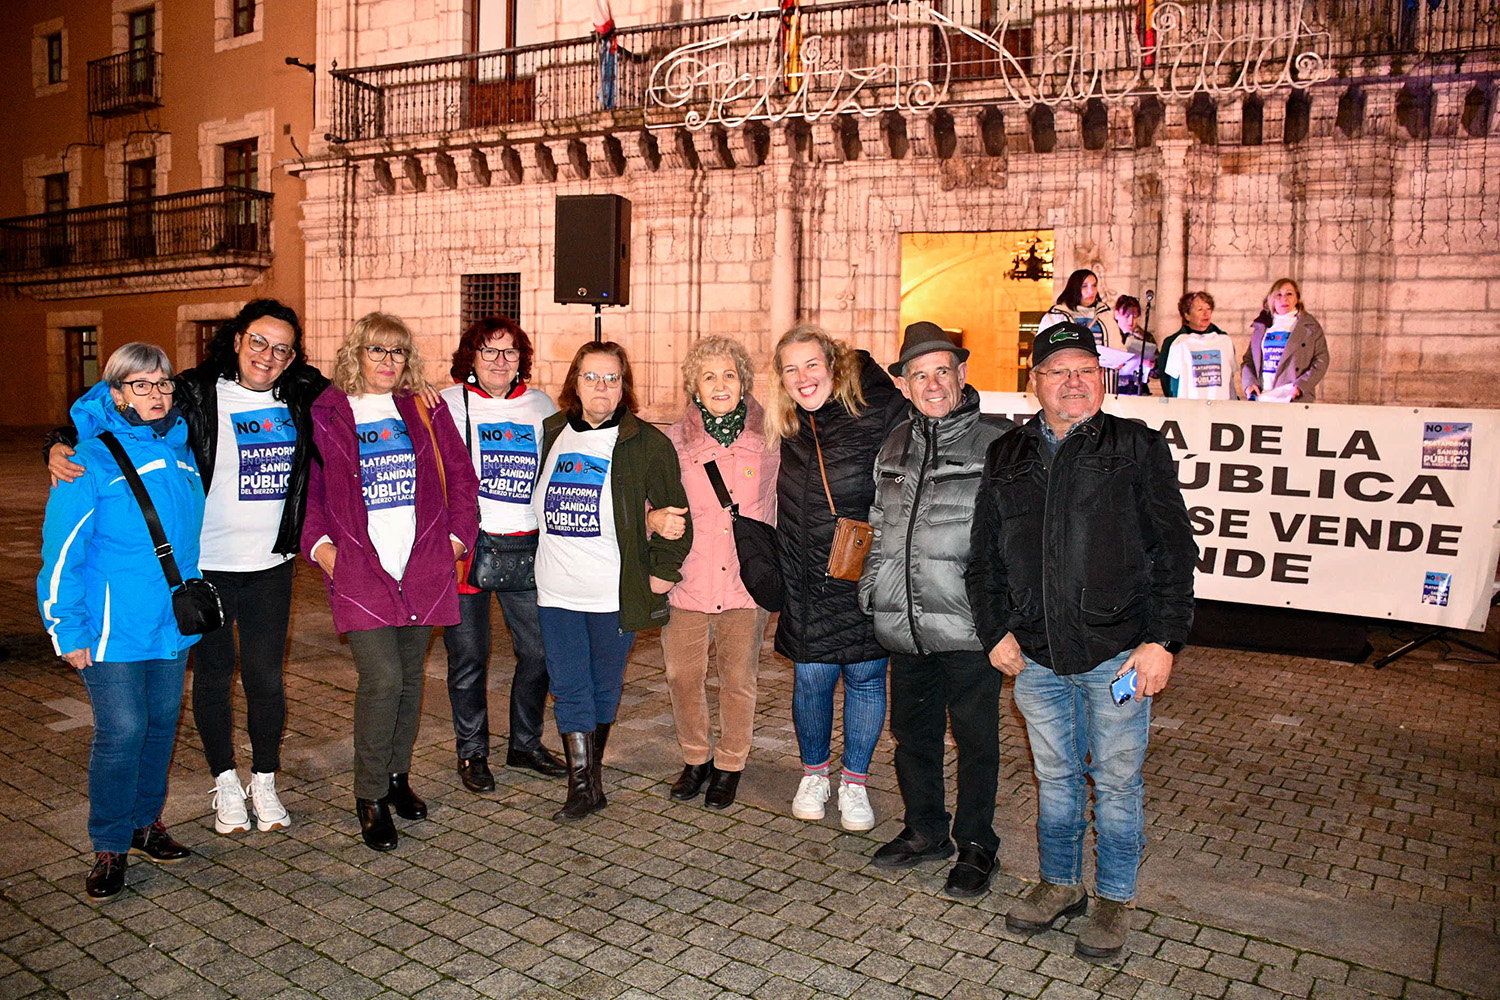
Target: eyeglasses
[
  {"x": 491, "y": 353},
  {"x": 377, "y": 353},
  {"x": 258, "y": 345},
  {"x": 143, "y": 386},
  {"x": 594, "y": 378},
  {"x": 1056, "y": 376}
]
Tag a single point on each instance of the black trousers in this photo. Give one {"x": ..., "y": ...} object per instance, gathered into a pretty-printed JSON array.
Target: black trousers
[
  {"x": 468, "y": 645},
  {"x": 257, "y": 607},
  {"x": 927, "y": 693}
]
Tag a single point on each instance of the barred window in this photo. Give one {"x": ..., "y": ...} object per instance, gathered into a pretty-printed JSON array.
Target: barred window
[
  {"x": 490, "y": 295},
  {"x": 244, "y": 17}
]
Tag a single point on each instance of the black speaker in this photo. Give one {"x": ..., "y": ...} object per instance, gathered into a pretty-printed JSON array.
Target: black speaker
[{"x": 593, "y": 250}]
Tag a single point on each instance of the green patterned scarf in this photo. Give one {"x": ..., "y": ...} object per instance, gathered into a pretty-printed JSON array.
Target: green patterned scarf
[{"x": 726, "y": 428}]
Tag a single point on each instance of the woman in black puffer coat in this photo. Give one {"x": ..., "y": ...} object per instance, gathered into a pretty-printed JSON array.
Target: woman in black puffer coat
[{"x": 838, "y": 400}]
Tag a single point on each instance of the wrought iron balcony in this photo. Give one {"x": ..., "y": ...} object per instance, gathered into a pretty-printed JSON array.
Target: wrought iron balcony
[
  {"x": 1022, "y": 52},
  {"x": 195, "y": 230},
  {"x": 130, "y": 81}
]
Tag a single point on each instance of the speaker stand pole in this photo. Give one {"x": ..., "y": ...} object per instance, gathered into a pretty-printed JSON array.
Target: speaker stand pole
[{"x": 598, "y": 323}]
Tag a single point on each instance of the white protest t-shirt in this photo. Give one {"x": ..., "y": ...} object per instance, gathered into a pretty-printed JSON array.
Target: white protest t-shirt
[
  {"x": 252, "y": 465},
  {"x": 577, "y": 557},
  {"x": 388, "y": 476},
  {"x": 1273, "y": 345},
  {"x": 1202, "y": 364},
  {"x": 505, "y": 445}
]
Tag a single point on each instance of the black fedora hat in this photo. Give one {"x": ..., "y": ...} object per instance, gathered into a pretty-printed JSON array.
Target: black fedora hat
[{"x": 924, "y": 338}]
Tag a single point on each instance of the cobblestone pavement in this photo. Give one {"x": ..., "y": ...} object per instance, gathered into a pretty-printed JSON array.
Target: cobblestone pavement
[{"x": 1315, "y": 829}]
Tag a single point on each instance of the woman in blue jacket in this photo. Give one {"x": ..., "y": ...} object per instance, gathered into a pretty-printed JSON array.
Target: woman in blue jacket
[{"x": 105, "y": 601}]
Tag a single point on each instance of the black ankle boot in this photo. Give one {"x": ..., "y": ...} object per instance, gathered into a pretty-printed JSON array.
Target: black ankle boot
[
  {"x": 401, "y": 798},
  {"x": 690, "y": 782},
  {"x": 578, "y": 748},
  {"x": 375, "y": 824},
  {"x": 601, "y": 737},
  {"x": 722, "y": 786}
]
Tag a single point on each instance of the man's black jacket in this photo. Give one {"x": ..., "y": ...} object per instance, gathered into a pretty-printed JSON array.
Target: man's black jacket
[{"x": 1084, "y": 554}]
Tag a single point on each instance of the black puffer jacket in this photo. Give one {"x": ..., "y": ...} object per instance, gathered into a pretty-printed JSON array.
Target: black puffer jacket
[
  {"x": 1084, "y": 554},
  {"x": 821, "y": 621},
  {"x": 926, "y": 478},
  {"x": 197, "y": 396}
]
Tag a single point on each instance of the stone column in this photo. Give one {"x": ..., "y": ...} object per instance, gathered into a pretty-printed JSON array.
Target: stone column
[
  {"x": 784, "y": 243},
  {"x": 1171, "y": 252}
]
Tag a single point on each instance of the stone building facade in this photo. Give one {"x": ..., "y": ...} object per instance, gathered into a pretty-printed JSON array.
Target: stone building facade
[
  {"x": 142, "y": 181},
  {"x": 1354, "y": 147}
]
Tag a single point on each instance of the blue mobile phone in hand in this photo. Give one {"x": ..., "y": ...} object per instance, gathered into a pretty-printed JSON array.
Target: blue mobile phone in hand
[{"x": 1122, "y": 688}]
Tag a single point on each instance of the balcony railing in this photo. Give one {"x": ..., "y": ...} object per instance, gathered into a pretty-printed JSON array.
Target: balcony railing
[
  {"x": 130, "y": 81},
  {"x": 557, "y": 81},
  {"x": 214, "y": 227}
]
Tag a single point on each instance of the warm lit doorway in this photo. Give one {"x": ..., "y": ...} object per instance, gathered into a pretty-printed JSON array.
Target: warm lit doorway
[{"x": 960, "y": 281}]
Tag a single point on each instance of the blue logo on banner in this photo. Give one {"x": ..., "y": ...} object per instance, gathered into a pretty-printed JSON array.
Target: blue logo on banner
[
  {"x": 507, "y": 461},
  {"x": 571, "y": 506},
  {"x": 387, "y": 464},
  {"x": 1446, "y": 446},
  {"x": 1435, "y": 588},
  {"x": 265, "y": 439}
]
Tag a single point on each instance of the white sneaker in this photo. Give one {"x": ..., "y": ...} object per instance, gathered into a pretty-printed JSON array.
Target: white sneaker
[
  {"x": 811, "y": 794},
  {"x": 854, "y": 807},
  {"x": 270, "y": 814},
  {"x": 229, "y": 804}
]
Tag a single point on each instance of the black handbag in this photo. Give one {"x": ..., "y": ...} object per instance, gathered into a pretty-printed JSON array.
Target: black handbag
[
  {"x": 195, "y": 602},
  {"x": 755, "y": 544},
  {"x": 503, "y": 564}
]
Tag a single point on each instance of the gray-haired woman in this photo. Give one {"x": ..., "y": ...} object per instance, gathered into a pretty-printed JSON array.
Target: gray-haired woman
[
  {"x": 106, "y": 603},
  {"x": 725, "y": 427}
]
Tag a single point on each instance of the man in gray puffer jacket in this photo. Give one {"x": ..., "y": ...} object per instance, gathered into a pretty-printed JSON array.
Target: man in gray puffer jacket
[{"x": 927, "y": 476}]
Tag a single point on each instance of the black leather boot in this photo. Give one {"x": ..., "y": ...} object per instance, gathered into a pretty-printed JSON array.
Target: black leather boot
[
  {"x": 578, "y": 748},
  {"x": 401, "y": 798},
  {"x": 690, "y": 782},
  {"x": 721, "y": 787},
  {"x": 375, "y": 824},
  {"x": 107, "y": 877},
  {"x": 601, "y": 737}
]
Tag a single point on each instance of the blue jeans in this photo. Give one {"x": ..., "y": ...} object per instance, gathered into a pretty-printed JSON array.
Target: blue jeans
[
  {"x": 586, "y": 654},
  {"x": 468, "y": 645},
  {"x": 1066, "y": 718},
  {"x": 136, "y": 706},
  {"x": 864, "y": 711}
]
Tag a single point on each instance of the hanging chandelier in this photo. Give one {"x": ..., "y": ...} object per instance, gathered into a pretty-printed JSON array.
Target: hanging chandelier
[{"x": 1032, "y": 261}]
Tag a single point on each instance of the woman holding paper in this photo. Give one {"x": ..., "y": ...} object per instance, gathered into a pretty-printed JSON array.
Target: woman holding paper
[{"x": 1288, "y": 353}]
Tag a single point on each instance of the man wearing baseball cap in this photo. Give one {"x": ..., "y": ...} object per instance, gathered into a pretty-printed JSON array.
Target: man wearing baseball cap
[
  {"x": 926, "y": 478},
  {"x": 1081, "y": 573}
]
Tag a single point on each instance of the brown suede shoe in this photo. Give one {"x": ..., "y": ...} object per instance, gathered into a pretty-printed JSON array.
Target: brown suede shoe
[{"x": 1104, "y": 937}]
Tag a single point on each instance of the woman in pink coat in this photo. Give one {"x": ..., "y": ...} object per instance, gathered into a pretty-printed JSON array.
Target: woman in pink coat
[{"x": 723, "y": 425}]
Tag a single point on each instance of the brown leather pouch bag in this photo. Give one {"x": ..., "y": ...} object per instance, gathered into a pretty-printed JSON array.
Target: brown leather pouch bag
[{"x": 851, "y": 539}]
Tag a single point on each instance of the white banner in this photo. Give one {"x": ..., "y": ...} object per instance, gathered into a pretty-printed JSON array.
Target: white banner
[{"x": 1377, "y": 511}]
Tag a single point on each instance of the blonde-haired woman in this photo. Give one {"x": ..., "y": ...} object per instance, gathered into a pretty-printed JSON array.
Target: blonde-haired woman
[
  {"x": 724, "y": 427},
  {"x": 831, "y": 411},
  {"x": 1288, "y": 353},
  {"x": 391, "y": 503}
]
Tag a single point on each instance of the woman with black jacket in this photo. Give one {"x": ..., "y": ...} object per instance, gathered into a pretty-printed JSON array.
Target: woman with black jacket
[
  {"x": 248, "y": 412},
  {"x": 831, "y": 413}
]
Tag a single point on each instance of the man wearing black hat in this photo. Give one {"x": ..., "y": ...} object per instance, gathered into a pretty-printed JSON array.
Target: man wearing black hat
[
  {"x": 1081, "y": 574},
  {"x": 926, "y": 478}
]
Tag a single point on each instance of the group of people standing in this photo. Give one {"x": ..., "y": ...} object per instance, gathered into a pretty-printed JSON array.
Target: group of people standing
[
  {"x": 1285, "y": 359},
  {"x": 986, "y": 558}
]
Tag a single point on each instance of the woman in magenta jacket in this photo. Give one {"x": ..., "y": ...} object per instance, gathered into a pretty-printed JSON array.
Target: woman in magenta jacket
[
  {"x": 392, "y": 502},
  {"x": 724, "y": 425}
]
